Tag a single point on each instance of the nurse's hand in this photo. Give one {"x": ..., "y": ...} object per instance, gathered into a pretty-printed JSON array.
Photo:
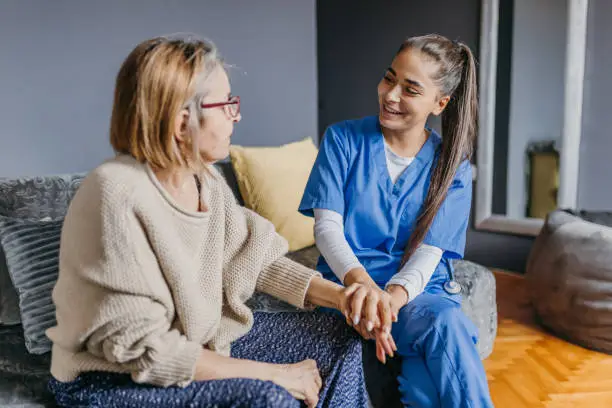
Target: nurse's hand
[{"x": 399, "y": 299}]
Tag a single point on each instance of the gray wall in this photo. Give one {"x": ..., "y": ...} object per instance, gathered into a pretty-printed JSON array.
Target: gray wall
[
  {"x": 594, "y": 187},
  {"x": 58, "y": 61},
  {"x": 356, "y": 42}
]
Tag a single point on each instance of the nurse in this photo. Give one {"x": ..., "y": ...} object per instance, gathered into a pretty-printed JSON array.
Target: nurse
[{"x": 391, "y": 201}]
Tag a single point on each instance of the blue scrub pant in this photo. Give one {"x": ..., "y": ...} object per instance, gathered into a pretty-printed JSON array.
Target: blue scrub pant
[{"x": 440, "y": 363}]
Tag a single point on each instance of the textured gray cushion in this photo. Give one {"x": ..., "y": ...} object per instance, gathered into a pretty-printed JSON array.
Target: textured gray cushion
[
  {"x": 38, "y": 197},
  {"x": 479, "y": 301},
  {"x": 569, "y": 276},
  {"x": 34, "y": 198},
  {"x": 32, "y": 252}
]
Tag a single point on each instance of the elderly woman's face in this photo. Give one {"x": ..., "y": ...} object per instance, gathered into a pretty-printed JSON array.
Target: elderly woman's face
[{"x": 214, "y": 138}]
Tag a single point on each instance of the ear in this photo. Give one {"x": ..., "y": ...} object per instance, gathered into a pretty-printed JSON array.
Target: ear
[
  {"x": 180, "y": 125},
  {"x": 441, "y": 105}
]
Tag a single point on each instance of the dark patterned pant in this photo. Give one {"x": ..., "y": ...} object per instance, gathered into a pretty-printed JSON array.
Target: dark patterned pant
[{"x": 280, "y": 338}]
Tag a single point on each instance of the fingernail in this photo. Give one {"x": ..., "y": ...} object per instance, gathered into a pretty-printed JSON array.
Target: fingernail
[
  {"x": 370, "y": 326},
  {"x": 356, "y": 320},
  {"x": 388, "y": 330}
]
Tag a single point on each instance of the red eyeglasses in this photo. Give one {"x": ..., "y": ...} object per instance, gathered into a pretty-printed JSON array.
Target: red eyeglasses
[{"x": 231, "y": 107}]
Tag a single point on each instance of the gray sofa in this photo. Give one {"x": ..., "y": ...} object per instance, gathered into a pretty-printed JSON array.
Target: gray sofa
[{"x": 23, "y": 376}]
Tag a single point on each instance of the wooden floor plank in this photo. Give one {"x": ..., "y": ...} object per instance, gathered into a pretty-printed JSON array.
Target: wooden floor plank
[{"x": 530, "y": 367}]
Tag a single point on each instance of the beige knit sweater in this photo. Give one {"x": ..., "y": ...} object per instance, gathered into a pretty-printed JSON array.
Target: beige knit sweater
[{"x": 144, "y": 285}]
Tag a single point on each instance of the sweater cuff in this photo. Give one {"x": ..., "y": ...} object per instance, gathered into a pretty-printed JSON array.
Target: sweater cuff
[
  {"x": 172, "y": 369},
  {"x": 287, "y": 280}
]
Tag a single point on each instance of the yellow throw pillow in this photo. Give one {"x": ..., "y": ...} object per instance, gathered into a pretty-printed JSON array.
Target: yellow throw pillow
[{"x": 271, "y": 181}]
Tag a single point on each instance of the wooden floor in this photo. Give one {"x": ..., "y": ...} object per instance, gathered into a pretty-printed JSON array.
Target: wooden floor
[{"x": 530, "y": 368}]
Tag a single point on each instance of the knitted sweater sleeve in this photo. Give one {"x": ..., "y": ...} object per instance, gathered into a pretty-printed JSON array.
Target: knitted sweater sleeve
[
  {"x": 117, "y": 310},
  {"x": 253, "y": 245}
]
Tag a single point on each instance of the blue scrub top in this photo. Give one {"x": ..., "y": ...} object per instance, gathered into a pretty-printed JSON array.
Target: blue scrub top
[{"x": 350, "y": 176}]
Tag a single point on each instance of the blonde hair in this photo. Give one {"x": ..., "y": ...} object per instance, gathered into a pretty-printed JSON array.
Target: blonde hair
[{"x": 158, "y": 79}]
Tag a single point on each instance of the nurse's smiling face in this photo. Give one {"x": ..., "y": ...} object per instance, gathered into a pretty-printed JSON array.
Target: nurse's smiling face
[{"x": 407, "y": 94}]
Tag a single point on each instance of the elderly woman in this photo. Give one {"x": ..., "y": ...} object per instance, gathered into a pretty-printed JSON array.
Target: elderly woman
[{"x": 157, "y": 261}]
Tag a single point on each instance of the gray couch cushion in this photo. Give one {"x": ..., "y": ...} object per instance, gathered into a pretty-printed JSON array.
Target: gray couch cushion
[
  {"x": 32, "y": 252},
  {"x": 569, "y": 277},
  {"x": 34, "y": 198},
  {"x": 38, "y": 197}
]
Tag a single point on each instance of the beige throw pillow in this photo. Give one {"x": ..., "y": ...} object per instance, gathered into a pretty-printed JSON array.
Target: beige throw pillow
[{"x": 271, "y": 181}]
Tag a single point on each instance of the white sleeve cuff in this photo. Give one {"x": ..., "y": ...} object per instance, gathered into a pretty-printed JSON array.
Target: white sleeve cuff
[
  {"x": 410, "y": 287},
  {"x": 417, "y": 272}
]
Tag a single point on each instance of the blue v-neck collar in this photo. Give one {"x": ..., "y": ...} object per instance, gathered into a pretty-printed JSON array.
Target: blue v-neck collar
[{"x": 423, "y": 158}]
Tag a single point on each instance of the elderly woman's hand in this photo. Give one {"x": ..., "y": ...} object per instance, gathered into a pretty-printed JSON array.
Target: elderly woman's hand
[{"x": 302, "y": 380}]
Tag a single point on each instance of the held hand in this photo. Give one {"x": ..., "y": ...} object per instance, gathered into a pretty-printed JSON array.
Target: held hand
[
  {"x": 385, "y": 345},
  {"x": 370, "y": 306},
  {"x": 371, "y": 316},
  {"x": 372, "y": 301}
]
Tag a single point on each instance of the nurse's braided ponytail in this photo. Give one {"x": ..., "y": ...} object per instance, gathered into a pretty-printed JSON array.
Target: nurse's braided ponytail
[{"x": 456, "y": 78}]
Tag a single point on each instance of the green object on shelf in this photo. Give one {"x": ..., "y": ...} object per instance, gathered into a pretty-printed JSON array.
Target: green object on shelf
[{"x": 542, "y": 179}]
